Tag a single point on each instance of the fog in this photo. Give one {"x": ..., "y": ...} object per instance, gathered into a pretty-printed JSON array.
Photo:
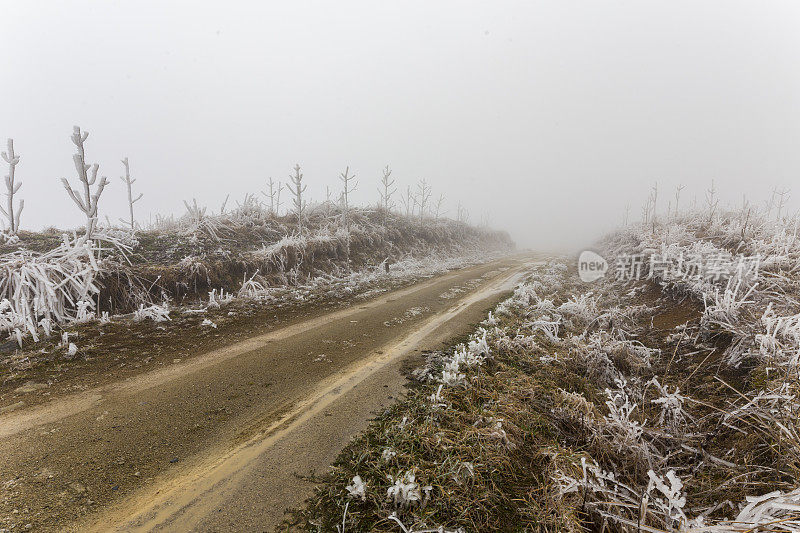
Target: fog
[{"x": 546, "y": 118}]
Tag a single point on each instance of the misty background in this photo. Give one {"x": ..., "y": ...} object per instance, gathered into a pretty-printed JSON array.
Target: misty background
[{"x": 546, "y": 117}]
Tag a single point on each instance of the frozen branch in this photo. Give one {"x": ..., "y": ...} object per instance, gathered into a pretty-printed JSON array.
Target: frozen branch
[
  {"x": 348, "y": 186},
  {"x": 462, "y": 215},
  {"x": 408, "y": 201},
  {"x": 12, "y": 187},
  {"x": 423, "y": 196},
  {"x": 386, "y": 189},
  {"x": 712, "y": 202},
  {"x": 439, "y": 203},
  {"x": 274, "y": 195},
  {"x": 87, "y": 176},
  {"x": 131, "y": 200},
  {"x": 678, "y": 190},
  {"x": 297, "y": 189}
]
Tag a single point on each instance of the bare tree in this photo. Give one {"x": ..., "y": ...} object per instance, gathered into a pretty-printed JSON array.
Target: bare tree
[
  {"x": 386, "y": 190},
  {"x": 711, "y": 201},
  {"x": 87, "y": 175},
  {"x": 745, "y": 216},
  {"x": 298, "y": 190},
  {"x": 328, "y": 203},
  {"x": 408, "y": 202},
  {"x": 678, "y": 190},
  {"x": 131, "y": 200},
  {"x": 781, "y": 198},
  {"x": 274, "y": 195},
  {"x": 12, "y": 187},
  {"x": 462, "y": 215},
  {"x": 348, "y": 186},
  {"x": 423, "y": 196},
  {"x": 439, "y": 203},
  {"x": 654, "y": 196},
  {"x": 647, "y": 210}
]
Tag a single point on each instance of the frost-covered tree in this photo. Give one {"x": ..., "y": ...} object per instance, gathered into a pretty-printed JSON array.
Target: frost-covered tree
[
  {"x": 12, "y": 187},
  {"x": 462, "y": 215},
  {"x": 646, "y": 212},
  {"x": 649, "y": 207},
  {"x": 274, "y": 195},
  {"x": 348, "y": 186},
  {"x": 87, "y": 176},
  {"x": 387, "y": 189},
  {"x": 297, "y": 189},
  {"x": 328, "y": 202},
  {"x": 439, "y": 204},
  {"x": 654, "y": 204},
  {"x": 422, "y": 196},
  {"x": 712, "y": 202},
  {"x": 654, "y": 195},
  {"x": 780, "y": 199},
  {"x": 678, "y": 190},
  {"x": 131, "y": 200},
  {"x": 408, "y": 201}
]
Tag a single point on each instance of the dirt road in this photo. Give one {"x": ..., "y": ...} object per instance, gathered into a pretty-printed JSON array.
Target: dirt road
[{"x": 225, "y": 440}]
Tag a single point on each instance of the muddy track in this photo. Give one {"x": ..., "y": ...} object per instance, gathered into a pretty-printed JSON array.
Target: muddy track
[{"x": 224, "y": 440}]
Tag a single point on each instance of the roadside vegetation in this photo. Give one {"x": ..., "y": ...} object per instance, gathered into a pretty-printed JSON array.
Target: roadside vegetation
[
  {"x": 665, "y": 401},
  {"x": 54, "y": 281}
]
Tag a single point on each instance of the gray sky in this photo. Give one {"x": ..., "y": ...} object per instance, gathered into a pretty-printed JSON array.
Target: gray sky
[{"x": 549, "y": 117}]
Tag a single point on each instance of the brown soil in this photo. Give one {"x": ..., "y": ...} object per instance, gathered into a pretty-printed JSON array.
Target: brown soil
[{"x": 158, "y": 409}]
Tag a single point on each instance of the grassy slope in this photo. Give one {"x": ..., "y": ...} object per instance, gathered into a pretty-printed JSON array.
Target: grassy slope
[
  {"x": 185, "y": 259},
  {"x": 561, "y": 399}
]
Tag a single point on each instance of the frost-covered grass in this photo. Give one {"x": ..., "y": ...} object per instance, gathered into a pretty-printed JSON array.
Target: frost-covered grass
[
  {"x": 167, "y": 327},
  {"x": 60, "y": 287},
  {"x": 723, "y": 456},
  {"x": 757, "y": 305},
  {"x": 667, "y": 404},
  {"x": 49, "y": 281}
]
